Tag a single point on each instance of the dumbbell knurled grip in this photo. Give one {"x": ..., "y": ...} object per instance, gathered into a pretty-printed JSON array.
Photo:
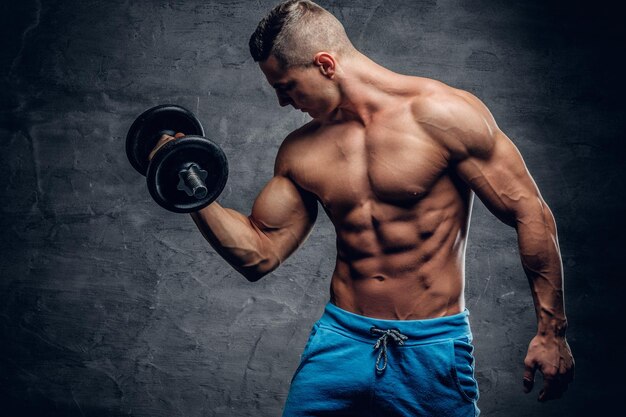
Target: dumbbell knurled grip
[{"x": 192, "y": 181}]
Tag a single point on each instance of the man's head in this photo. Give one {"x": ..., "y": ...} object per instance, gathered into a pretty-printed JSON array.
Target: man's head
[
  {"x": 294, "y": 31},
  {"x": 297, "y": 46}
]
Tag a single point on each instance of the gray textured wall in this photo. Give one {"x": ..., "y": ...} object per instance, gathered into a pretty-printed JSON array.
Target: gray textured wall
[{"x": 111, "y": 306}]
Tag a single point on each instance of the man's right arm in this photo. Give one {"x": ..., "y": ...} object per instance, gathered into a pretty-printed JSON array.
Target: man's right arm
[{"x": 282, "y": 218}]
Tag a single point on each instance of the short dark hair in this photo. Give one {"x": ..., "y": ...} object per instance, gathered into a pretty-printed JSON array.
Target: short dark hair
[{"x": 293, "y": 29}]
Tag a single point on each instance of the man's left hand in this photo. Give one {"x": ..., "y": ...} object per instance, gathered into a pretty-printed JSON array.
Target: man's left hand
[{"x": 553, "y": 357}]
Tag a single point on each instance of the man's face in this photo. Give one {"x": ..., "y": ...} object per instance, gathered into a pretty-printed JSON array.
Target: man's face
[{"x": 304, "y": 88}]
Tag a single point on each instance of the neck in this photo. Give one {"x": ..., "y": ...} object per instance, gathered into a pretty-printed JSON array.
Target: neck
[{"x": 365, "y": 88}]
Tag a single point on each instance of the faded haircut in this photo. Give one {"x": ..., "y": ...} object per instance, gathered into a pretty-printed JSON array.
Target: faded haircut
[{"x": 294, "y": 31}]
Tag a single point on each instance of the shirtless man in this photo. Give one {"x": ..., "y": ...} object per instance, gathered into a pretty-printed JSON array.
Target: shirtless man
[{"x": 395, "y": 161}]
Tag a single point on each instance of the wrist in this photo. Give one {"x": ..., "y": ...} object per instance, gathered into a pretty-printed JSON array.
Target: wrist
[{"x": 553, "y": 327}]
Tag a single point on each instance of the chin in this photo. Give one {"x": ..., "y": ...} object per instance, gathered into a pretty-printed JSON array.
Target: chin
[{"x": 318, "y": 114}]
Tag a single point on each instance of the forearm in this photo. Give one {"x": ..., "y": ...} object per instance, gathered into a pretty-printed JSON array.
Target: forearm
[
  {"x": 237, "y": 239},
  {"x": 541, "y": 260}
]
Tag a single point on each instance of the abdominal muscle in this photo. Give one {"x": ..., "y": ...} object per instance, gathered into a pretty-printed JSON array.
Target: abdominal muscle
[{"x": 407, "y": 269}]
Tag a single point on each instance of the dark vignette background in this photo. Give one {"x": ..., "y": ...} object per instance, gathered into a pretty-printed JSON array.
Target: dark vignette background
[{"x": 111, "y": 306}]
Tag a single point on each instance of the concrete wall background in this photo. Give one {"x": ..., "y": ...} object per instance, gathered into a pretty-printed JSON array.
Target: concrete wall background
[{"x": 111, "y": 306}]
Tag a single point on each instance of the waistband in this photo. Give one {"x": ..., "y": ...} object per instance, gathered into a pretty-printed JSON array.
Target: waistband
[{"x": 418, "y": 331}]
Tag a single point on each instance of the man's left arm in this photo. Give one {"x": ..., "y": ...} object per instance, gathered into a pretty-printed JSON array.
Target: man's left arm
[{"x": 489, "y": 162}]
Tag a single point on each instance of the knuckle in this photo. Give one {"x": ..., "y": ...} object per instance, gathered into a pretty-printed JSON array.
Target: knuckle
[{"x": 550, "y": 373}]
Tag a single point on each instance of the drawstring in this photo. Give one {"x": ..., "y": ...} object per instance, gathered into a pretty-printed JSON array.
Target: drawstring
[{"x": 395, "y": 335}]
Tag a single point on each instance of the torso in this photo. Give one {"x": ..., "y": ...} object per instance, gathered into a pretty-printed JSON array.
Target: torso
[{"x": 400, "y": 213}]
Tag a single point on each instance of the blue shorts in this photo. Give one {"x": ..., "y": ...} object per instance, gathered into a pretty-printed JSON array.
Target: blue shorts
[{"x": 359, "y": 366}]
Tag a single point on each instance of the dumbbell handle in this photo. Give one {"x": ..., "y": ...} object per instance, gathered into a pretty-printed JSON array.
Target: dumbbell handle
[
  {"x": 192, "y": 181},
  {"x": 192, "y": 177}
]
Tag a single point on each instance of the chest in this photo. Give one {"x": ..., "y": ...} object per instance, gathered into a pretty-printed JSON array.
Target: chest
[{"x": 392, "y": 161}]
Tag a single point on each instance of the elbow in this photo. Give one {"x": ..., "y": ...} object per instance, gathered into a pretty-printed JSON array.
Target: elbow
[
  {"x": 252, "y": 276},
  {"x": 254, "y": 273},
  {"x": 250, "y": 272},
  {"x": 535, "y": 213}
]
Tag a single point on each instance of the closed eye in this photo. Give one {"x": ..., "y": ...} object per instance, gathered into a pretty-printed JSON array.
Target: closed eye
[{"x": 283, "y": 87}]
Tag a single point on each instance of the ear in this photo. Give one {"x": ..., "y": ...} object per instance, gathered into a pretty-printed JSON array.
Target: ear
[{"x": 326, "y": 64}]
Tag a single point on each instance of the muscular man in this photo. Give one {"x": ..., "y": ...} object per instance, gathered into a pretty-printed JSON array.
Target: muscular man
[{"x": 395, "y": 161}]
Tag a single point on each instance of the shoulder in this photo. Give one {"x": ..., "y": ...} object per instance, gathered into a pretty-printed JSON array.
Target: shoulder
[
  {"x": 454, "y": 118},
  {"x": 292, "y": 147}
]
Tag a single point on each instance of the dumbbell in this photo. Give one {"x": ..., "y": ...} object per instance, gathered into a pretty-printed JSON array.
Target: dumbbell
[{"x": 186, "y": 174}]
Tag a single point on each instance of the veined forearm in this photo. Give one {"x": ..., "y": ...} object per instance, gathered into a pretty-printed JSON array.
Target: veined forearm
[
  {"x": 235, "y": 237},
  {"x": 541, "y": 260}
]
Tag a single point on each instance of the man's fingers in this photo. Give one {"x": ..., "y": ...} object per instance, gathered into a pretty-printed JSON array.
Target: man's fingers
[
  {"x": 528, "y": 384},
  {"x": 162, "y": 141},
  {"x": 552, "y": 389},
  {"x": 571, "y": 373},
  {"x": 555, "y": 383},
  {"x": 529, "y": 377}
]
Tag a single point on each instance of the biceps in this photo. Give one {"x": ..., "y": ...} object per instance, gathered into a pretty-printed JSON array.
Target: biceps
[
  {"x": 284, "y": 215},
  {"x": 502, "y": 181}
]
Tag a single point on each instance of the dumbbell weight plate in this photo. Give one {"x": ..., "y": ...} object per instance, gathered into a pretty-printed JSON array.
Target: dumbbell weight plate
[
  {"x": 143, "y": 135},
  {"x": 162, "y": 176}
]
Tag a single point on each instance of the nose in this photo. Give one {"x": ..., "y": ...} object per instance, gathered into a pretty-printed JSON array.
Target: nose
[{"x": 283, "y": 99}]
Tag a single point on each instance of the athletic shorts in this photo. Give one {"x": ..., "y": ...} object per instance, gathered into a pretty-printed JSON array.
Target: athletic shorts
[{"x": 359, "y": 366}]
